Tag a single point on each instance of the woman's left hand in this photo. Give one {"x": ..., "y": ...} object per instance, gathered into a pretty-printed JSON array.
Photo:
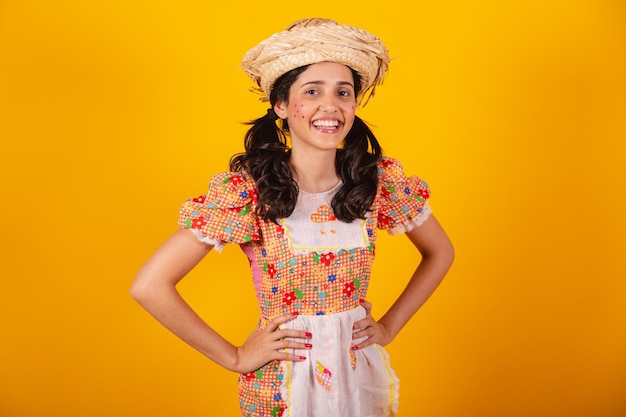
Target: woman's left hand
[{"x": 374, "y": 331}]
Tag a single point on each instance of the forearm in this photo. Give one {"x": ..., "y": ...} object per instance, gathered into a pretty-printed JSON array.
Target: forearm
[
  {"x": 154, "y": 288},
  {"x": 426, "y": 278},
  {"x": 168, "y": 307}
]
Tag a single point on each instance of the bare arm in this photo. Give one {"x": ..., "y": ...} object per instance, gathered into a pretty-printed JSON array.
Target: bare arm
[
  {"x": 154, "y": 288},
  {"x": 437, "y": 255}
]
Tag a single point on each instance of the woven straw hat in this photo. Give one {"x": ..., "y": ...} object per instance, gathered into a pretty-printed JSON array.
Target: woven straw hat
[{"x": 314, "y": 40}]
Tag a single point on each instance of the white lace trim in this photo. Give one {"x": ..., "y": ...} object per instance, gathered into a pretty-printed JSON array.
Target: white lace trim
[
  {"x": 217, "y": 244},
  {"x": 410, "y": 224}
]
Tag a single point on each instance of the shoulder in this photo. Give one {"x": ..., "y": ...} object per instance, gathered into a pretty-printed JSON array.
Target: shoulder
[
  {"x": 388, "y": 166},
  {"x": 395, "y": 185},
  {"x": 391, "y": 171},
  {"x": 231, "y": 189},
  {"x": 402, "y": 199},
  {"x": 226, "y": 213}
]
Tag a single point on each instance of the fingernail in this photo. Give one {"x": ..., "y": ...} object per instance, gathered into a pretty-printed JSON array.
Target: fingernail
[
  {"x": 308, "y": 345},
  {"x": 294, "y": 313},
  {"x": 308, "y": 334},
  {"x": 355, "y": 347},
  {"x": 361, "y": 300},
  {"x": 302, "y": 357}
]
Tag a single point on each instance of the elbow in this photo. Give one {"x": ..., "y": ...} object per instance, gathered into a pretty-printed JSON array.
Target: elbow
[
  {"x": 449, "y": 254},
  {"x": 139, "y": 290},
  {"x": 442, "y": 256},
  {"x": 136, "y": 292}
]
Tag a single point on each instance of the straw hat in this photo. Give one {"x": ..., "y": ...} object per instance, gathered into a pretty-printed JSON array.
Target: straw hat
[{"x": 309, "y": 41}]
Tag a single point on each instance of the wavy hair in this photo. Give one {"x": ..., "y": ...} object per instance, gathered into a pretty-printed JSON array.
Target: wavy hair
[{"x": 266, "y": 159}]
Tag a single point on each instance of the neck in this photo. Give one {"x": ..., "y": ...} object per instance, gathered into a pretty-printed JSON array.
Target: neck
[{"x": 315, "y": 172}]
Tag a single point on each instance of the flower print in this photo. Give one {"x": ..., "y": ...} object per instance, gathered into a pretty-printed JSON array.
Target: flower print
[
  {"x": 250, "y": 376},
  {"x": 243, "y": 194},
  {"x": 407, "y": 190},
  {"x": 254, "y": 196},
  {"x": 278, "y": 411},
  {"x": 198, "y": 222},
  {"x": 272, "y": 245},
  {"x": 423, "y": 192},
  {"x": 271, "y": 269},
  {"x": 349, "y": 289},
  {"x": 327, "y": 258},
  {"x": 277, "y": 397},
  {"x": 201, "y": 199},
  {"x": 319, "y": 273},
  {"x": 242, "y": 211},
  {"x": 289, "y": 298},
  {"x": 299, "y": 293},
  {"x": 385, "y": 221},
  {"x": 385, "y": 192},
  {"x": 274, "y": 290},
  {"x": 332, "y": 277},
  {"x": 236, "y": 179},
  {"x": 387, "y": 163}
]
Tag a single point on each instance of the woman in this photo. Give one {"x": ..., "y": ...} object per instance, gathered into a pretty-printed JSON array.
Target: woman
[{"x": 304, "y": 202}]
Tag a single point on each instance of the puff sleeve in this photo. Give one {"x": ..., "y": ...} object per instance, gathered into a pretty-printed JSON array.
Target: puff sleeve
[
  {"x": 225, "y": 214},
  {"x": 402, "y": 201}
]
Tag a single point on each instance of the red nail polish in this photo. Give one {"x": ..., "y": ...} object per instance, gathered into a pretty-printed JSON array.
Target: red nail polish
[
  {"x": 308, "y": 345},
  {"x": 294, "y": 313},
  {"x": 303, "y": 357},
  {"x": 308, "y": 334},
  {"x": 361, "y": 300},
  {"x": 355, "y": 347}
]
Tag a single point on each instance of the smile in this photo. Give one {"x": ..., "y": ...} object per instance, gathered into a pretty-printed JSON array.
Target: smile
[{"x": 326, "y": 123}]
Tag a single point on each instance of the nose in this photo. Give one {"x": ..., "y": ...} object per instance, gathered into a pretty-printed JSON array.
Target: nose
[{"x": 329, "y": 104}]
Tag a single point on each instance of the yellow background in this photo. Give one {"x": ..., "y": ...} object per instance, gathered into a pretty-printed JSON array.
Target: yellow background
[{"x": 113, "y": 112}]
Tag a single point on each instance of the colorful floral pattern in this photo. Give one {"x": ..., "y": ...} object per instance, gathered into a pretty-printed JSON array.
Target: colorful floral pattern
[{"x": 313, "y": 283}]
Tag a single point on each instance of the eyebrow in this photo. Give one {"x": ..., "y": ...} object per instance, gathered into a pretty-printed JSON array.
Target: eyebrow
[{"x": 320, "y": 82}]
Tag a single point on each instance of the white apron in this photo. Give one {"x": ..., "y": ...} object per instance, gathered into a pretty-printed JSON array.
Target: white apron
[{"x": 334, "y": 380}]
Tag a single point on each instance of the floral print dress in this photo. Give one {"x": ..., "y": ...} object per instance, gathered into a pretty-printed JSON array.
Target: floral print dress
[{"x": 320, "y": 267}]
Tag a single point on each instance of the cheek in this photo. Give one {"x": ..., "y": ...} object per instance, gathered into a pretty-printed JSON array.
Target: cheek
[
  {"x": 298, "y": 109},
  {"x": 351, "y": 114}
]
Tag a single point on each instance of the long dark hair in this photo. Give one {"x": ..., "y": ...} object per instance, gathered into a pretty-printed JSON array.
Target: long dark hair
[{"x": 266, "y": 159}]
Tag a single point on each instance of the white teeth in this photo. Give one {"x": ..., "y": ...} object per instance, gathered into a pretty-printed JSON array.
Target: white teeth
[{"x": 326, "y": 123}]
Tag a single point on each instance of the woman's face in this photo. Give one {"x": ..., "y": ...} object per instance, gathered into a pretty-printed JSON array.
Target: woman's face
[{"x": 321, "y": 107}]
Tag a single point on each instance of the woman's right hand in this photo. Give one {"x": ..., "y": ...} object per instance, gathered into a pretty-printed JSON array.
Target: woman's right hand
[{"x": 268, "y": 344}]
